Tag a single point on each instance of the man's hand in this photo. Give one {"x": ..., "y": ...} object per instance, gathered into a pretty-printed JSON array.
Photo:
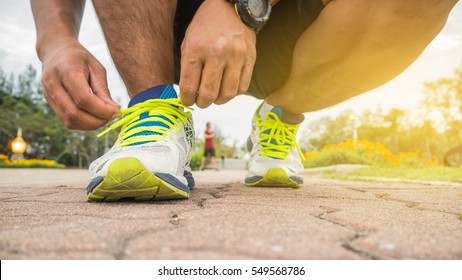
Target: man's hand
[
  {"x": 218, "y": 55},
  {"x": 74, "y": 82},
  {"x": 75, "y": 86}
]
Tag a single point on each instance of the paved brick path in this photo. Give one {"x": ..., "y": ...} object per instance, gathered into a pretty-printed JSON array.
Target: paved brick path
[{"x": 45, "y": 215}]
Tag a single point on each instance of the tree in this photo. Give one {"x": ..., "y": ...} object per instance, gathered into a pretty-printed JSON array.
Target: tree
[
  {"x": 444, "y": 101},
  {"x": 22, "y": 105},
  {"x": 438, "y": 128},
  {"x": 327, "y": 131},
  {"x": 394, "y": 118}
]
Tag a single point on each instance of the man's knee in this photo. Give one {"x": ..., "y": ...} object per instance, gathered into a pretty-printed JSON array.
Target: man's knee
[
  {"x": 387, "y": 23},
  {"x": 416, "y": 17}
]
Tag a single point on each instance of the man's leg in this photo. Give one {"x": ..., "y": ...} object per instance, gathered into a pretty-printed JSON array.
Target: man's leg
[
  {"x": 213, "y": 161},
  {"x": 203, "y": 159},
  {"x": 150, "y": 158},
  {"x": 139, "y": 35},
  {"x": 357, "y": 45},
  {"x": 339, "y": 51}
]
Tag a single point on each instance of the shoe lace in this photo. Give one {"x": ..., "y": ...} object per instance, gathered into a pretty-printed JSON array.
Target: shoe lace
[
  {"x": 168, "y": 113},
  {"x": 281, "y": 137}
]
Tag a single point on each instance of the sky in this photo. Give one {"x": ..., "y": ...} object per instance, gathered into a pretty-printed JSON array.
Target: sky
[{"x": 440, "y": 59}]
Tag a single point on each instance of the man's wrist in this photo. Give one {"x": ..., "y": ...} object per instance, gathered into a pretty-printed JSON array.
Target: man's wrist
[
  {"x": 46, "y": 44},
  {"x": 232, "y": 6},
  {"x": 253, "y": 13}
]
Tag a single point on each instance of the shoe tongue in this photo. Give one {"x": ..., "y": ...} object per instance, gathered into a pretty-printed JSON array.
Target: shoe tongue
[
  {"x": 157, "y": 92},
  {"x": 283, "y": 115}
]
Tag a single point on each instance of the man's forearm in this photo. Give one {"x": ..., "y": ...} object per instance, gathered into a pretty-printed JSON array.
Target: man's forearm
[{"x": 55, "y": 19}]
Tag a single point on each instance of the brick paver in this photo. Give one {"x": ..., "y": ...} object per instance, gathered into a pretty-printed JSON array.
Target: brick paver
[{"x": 45, "y": 215}]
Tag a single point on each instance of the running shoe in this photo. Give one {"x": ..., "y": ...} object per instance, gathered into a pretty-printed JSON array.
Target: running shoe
[
  {"x": 275, "y": 157},
  {"x": 150, "y": 159}
]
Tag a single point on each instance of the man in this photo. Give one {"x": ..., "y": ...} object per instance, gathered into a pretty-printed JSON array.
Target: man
[
  {"x": 209, "y": 147},
  {"x": 311, "y": 54}
]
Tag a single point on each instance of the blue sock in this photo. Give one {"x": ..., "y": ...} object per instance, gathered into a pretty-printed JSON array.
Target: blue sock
[{"x": 160, "y": 91}]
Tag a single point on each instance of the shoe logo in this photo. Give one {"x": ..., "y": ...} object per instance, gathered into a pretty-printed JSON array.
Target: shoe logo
[
  {"x": 101, "y": 166},
  {"x": 189, "y": 131},
  {"x": 291, "y": 169}
]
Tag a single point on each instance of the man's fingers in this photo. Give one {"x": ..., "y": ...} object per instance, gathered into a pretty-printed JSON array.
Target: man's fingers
[
  {"x": 189, "y": 81},
  {"x": 77, "y": 86},
  {"x": 229, "y": 84},
  {"x": 71, "y": 116},
  {"x": 99, "y": 86},
  {"x": 210, "y": 83},
  {"x": 246, "y": 77}
]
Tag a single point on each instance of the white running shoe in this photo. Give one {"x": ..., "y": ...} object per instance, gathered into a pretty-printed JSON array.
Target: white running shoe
[
  {"x": 150, "y": 159},
  {"x": 275, "y": 157}
]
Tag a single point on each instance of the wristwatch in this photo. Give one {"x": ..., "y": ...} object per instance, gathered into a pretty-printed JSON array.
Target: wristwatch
[{"x": 254, "y": 13}]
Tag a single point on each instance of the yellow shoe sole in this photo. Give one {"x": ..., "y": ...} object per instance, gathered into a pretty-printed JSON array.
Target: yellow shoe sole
[
  {"x": 127, "y": 178},
  {"x": 275, "y": 177}
]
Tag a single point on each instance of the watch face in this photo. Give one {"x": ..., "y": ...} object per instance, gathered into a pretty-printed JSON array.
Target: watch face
[{"x": 258, "y": 7}]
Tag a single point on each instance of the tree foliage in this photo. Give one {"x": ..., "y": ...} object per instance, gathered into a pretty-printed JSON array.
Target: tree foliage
[
  {"x": 22, "y": 105},
  {"x": 434, "y": 130}
]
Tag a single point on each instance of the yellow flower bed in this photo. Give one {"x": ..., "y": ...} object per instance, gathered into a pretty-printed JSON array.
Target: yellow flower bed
[
  {"x": 3, "y": 157},
  {"x": 366, "y": 152},
  {"x": 29, "y": 163}
]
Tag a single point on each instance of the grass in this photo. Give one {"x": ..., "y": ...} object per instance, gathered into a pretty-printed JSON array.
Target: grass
[{"x": 445, "y": 174}]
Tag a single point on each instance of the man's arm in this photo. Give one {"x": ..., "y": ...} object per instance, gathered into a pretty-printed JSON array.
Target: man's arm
[
  {"x": 74, "y": 82},
  {"x": 217, "y": 55},
  {"x": 56, "y": 20}
]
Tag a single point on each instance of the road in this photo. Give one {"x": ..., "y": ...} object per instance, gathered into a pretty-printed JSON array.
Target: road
[{"x": 45, "y": 215}]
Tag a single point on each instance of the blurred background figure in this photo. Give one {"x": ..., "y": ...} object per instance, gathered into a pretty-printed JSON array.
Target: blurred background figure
[
  {"x": 223, "y": 161},
  {"x": 209, "y": 149}
]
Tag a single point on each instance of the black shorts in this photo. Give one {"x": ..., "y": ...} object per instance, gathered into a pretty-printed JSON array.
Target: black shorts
[
  {"x": 209, "y": 152},
  {"x": 275, "y": 43}
]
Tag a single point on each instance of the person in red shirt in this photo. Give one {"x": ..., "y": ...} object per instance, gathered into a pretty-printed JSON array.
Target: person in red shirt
[{"x": 209, "y": 147}]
